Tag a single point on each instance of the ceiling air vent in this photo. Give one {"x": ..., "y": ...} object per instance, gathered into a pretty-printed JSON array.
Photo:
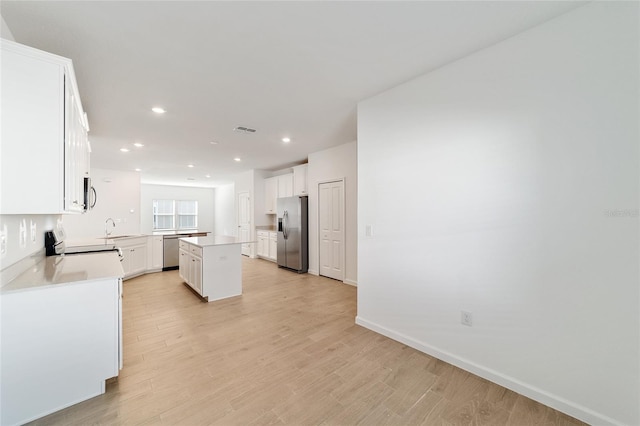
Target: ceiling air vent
[{"x": 244, "y": 129}]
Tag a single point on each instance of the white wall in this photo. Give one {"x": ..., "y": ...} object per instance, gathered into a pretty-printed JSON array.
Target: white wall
[
  {"x": 204, "y": 197},
  {"x": 332, "y": 164},
  {"x": 224, "y": 210},
  {"x": 118, "y": 197},
  {"x": 5, "y": 32},
  {"x": 506, "y": 184},
  {"x": 15, "y": 251}
]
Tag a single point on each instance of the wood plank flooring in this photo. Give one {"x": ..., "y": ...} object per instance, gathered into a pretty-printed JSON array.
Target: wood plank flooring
[{"x": 285, "y": 352}]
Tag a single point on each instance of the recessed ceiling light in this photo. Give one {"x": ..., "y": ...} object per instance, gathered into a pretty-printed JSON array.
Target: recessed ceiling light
[
  {"x": 213, "y": 143},
  {"x": 124, "y": 149},
  {"x": 158, "y": 110},
  {"x": 191, "y": 166},
  {"x": 286, "y": 140},
  {"x": 237, "y": 159},
  {"x": 138, "y": 145},
  {"x": 207, "y": 176},
  {"x": 138, "y": 170}
]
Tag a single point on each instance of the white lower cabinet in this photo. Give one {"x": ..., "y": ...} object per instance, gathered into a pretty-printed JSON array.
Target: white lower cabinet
[
  {"x": 212, "y": 271},
  {"x": 267, "y": 245},
  {"x": 59, "y": 345},
  {"x": 263, "y": 243},
  {"x": 155, "y": 251},
  {"x": 134, "y": 256},
  {"x": 195, "y": 273},
  {"x": 183, "y": 265},
  {"x": 273, "y": 246},
  {"x": 190, "y": 266}
]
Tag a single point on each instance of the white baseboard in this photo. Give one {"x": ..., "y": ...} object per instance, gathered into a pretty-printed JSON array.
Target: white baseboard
[
  {"x": 546, "y": 398},
  {"x": 313, "y": 272},
  {"x": 351, "y": 282}
]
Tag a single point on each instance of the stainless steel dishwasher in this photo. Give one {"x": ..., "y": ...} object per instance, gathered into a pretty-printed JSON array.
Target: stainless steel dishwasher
[{"x": 171, "y": 255}]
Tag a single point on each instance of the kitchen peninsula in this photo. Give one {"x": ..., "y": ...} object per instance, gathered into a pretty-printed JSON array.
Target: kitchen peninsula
[
  {"x": 212, "y": 266},
  {"x": 61, "y": 324}
]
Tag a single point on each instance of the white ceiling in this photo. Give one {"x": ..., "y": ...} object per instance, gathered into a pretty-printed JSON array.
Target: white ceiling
[{"x": 294, "y": 69}]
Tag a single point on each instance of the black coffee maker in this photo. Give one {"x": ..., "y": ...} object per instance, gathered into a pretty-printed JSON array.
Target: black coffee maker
[{"x": 54, "y": 242}]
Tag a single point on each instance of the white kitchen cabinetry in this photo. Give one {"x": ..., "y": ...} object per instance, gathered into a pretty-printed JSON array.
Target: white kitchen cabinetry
[
  {"x": 211, "y": 266},
  {"x": 285, "y": 185},
  {"x": 277, "y": 187},
  {"x": 134, "y": 252},
  {"x": 268, "y": 245},
  {"x": 155, "y": 251},
  {"x": 273, "y": 246},
  {"x": 300, "y": 180},
  {"x": 271, "y": 194},
  {"x": 61, "y": 335},
  {"x": 45, "y": 151},
  {"x": 190, "y": 266},
  {"x": 183, "y": 264},
  {"x": 195, "y": 273},
  {"x": 263, "y": 243}
]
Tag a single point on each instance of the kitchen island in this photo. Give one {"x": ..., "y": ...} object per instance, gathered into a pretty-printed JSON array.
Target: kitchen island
[{"x": 212, "y": 265}]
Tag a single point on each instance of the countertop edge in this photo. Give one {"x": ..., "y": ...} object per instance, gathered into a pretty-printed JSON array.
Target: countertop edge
[{"x": 57, "y": 271}]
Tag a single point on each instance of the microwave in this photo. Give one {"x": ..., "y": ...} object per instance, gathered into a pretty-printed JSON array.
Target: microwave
[{"x": 90, "y": 196}]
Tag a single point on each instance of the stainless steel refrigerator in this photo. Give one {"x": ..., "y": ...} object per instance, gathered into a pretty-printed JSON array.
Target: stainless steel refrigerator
[{"x": 293, "y": 233}]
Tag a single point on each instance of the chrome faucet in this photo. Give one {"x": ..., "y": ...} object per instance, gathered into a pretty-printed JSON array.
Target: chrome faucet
[{"x": 106, "y": 222}]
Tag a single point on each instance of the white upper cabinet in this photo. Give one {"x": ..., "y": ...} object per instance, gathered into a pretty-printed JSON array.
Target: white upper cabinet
[
  {"x": 285, "y": 185},
  {"x": 44, "y": 147},
  {"x": 277, "y": 187},
  {"x": 270, "y": 195},
  {"x": 300, "y": 180}
]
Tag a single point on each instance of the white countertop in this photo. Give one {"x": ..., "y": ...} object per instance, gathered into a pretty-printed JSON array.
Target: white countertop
[
  {"x": 181, "y": 232},
  {"x": 60, "y": 270},
  {"x": 266, "y": 228},
  {"x": 214, "y": 240}
]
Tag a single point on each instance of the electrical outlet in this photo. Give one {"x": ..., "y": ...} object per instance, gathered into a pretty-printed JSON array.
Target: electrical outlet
[
  {"x": 33, "y": 231},
  {"x": 23, "y": 233},
  {"x": 3, "y": 240},
  {"x": 466, "y": 318}
]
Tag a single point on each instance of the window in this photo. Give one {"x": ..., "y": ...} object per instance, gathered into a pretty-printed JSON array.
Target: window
[
  {"x": 175, "y": 214},
  {"x": 187, "y": 214}
]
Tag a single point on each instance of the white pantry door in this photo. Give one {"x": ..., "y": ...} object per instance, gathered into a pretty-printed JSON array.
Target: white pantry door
[
  {"x": 331, "y": 220},
  {"x": 244, "y": 221}
]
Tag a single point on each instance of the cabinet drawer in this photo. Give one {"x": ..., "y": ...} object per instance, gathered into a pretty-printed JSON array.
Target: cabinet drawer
[
  {"x": 184, "y": 246},
  {"x": 263, "y": 234},
  {"x": 196, "y": 251},
  {"x": 273, "y": 236}
]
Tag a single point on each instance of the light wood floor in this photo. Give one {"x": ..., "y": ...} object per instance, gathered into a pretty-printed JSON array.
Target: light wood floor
[{"x": 285, "y": 352}]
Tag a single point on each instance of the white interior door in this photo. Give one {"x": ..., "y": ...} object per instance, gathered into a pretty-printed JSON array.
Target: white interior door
[
  {"x": 244, "y": 221},
  {"x": 331, "y": 220}
]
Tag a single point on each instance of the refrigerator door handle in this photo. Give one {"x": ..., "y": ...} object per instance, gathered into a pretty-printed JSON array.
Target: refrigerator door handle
[{"x": 285, "y": 224}]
